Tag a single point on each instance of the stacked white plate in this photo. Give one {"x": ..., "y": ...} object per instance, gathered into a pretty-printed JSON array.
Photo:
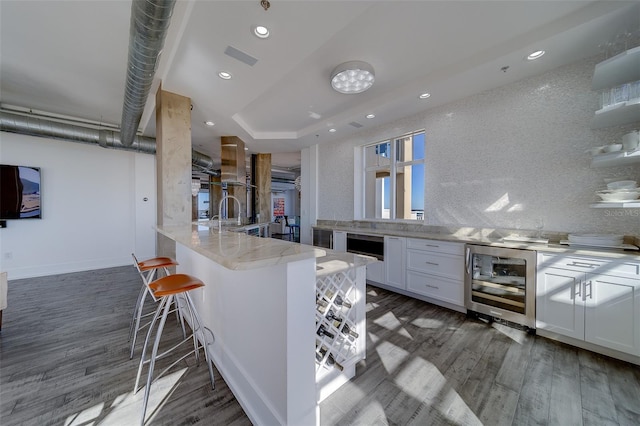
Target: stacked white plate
[
  {"x": 620, "y": 191},
  {"x": 598, "y": 240}
]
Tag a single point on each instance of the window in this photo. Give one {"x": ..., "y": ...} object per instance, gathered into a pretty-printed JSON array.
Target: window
[{"x": 394, "y": 178}]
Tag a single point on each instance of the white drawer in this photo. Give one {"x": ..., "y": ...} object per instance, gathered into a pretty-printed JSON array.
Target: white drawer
[
  {"x": 437, "y": 246},
  {"x": 451, "y": 291},
  {"x": 445, "y": 265},
  {"x": 592, "y": 265}
]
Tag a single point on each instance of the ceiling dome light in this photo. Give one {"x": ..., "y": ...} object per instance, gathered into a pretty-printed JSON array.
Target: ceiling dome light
[
  {"x": 352, "y": 77},
  {"x": 370, "y": 116},
  {"x": 425, "y": 96},
  {"x": 332, "y": 130},
  {"x": 209, "y": 123},
  {"x": 261, "y": 31},
  {"x": 224, "y": 75},
  {"x": 535, "y": 55}
]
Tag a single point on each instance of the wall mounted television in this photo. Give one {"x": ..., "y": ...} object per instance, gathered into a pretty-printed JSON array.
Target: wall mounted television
[{"x": 20, "y": 196}]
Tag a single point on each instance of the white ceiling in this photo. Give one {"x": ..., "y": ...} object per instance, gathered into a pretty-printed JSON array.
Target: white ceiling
[{"x": 69, "y": 57}]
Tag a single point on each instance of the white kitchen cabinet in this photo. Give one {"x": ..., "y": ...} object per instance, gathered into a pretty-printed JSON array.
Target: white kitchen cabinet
[
  {"x": 376, "y": 272},
  {"x": 435, "y": 269},
  {"x": 340, "y": 241},
  {"x": 592, "y": 299},
  {"x": 558, "y": 306},
  {"x": 394, "y": 261},
  {"x": 436, "y": 287}
]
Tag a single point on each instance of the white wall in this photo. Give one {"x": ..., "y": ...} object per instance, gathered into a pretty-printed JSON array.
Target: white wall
[
  {"x": 93, "y": 209},
  {"x": 502, "y": 158}
]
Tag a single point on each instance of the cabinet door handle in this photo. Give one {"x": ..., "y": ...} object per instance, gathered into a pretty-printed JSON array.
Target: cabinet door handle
[
  {"x": 583, "y": 264},
  {"x": 590, "y": 295},
  {"x": 432, "y": 286},
  {"x": 467, "y": 261},
  {"x": 432, "y": 263},
  {"x": 579, "y": 290}
]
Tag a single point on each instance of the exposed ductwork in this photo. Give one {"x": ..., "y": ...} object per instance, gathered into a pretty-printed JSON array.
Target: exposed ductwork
[
  {"x": 149, "y": 24},
  {"x": 34, "y": 126}
]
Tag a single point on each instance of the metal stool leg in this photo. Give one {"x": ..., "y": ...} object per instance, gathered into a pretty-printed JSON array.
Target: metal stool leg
[
  {"x": 173, "y": 291},
  {"x": 203, "y": 338},
  {"x": 154, "y": 354}
]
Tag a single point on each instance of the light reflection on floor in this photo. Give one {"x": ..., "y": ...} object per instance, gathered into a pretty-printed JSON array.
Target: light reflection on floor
[{"x": 127, "y": 408}]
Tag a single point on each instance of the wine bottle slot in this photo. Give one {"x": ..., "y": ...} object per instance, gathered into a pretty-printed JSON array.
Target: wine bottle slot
[
  {"x": 348, "y": 330},
  {"x": 337, "y": 322},
  {"x": 320, "y": 355},
  {"x": 331, "y": 361},
  {"x": 321, "y": 306},
  {"x": 323, "y": 331},
  {"x": 341, "y": 302}
]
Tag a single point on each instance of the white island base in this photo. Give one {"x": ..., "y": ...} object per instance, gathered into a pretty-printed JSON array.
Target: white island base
[{"x": 259, "y": 300}]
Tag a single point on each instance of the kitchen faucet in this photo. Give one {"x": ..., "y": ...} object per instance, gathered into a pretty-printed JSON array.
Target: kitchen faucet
[{"x": 224, "y": 198}]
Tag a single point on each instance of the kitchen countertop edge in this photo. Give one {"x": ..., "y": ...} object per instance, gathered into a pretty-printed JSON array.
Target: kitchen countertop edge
[
  {"x": 238, "y": 251},
  {"x": 498, "y": 242}
]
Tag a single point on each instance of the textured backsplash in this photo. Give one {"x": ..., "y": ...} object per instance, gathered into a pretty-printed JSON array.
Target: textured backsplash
[{"x": 504, "y": 158}]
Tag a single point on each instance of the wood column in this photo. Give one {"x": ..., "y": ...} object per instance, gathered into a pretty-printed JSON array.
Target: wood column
[
  {"x": 173, "y": 164},
  {"x": 263, "y": 187}
]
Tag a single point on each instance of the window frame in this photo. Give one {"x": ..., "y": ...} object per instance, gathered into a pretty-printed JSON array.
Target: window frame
[{"x": 393, "y": 167}]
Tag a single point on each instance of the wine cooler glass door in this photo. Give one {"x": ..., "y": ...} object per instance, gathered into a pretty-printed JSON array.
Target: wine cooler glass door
[{"x": 501, "y": 283}]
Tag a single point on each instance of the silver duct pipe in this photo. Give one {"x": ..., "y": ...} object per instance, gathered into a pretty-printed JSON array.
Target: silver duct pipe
[
  {"x": 34, "y": 126},
  {"x": 149, "y": 23}
]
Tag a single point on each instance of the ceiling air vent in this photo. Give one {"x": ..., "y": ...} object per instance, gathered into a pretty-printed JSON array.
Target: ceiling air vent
[
  {"x": 240, "y": 55},
  {"x": 355, "y": 124}
]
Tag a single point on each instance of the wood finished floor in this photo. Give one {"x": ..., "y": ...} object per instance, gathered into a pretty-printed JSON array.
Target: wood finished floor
[{"x": 64, "y": 361}]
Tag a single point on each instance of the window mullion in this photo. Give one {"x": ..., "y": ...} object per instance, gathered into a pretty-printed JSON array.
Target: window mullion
[{"x": 392, "y": 182}]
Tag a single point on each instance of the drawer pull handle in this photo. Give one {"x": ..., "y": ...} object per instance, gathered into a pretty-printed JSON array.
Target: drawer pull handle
[
  {"x": 432, "y": 286},
  {"x": 432, "y": 263},
  {"x": 431, "y": 245},
  {"x": 583, "y": 264}
]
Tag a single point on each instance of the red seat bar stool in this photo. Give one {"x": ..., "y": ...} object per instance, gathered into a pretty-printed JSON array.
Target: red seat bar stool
[
  {"x": 147, "y": 269},
  {"x": 167, "y": 289}
]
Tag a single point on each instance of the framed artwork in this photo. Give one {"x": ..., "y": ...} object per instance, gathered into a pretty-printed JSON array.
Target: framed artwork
[{"x": 278, "y": 207}]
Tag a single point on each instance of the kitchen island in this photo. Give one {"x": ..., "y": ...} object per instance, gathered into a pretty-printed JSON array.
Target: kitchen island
[{"x": 260, "y": 303}]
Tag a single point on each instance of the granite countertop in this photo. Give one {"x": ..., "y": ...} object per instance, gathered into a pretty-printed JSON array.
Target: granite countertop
[
  {"x": 238, "y": 251},
  {"x": 494, "y": 242},
  {"x": 333, "y": 262}
]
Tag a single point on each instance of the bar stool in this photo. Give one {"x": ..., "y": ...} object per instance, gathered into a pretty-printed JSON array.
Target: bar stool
[
  {"x": 147, "y": 270},
  {"x": 167, "y": 289}
]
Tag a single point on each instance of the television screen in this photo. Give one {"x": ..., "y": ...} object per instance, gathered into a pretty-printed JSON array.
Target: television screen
[{"x": 19, "y": 192}]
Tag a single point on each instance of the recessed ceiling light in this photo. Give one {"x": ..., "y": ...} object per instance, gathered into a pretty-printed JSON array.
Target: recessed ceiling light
[
  {"x": 425, "y": 95},
  {"x": 370, "y": 116},
  {"x": 209, "y": 123},
  {"x": 224, "y": 75},
  {"x": 261, "y": 31},
  {"x": 332, "y": 130},
  {"x": 535, "y": 55}
]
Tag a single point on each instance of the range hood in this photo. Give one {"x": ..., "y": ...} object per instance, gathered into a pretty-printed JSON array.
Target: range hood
[{"x": 232, "y": 161}]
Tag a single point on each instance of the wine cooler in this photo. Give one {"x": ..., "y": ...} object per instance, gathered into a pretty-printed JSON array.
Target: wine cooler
[{"x": 500, "y": 283}]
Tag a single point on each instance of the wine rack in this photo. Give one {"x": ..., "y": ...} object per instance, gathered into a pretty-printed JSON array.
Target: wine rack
[{"x": 339, "y": 331}]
